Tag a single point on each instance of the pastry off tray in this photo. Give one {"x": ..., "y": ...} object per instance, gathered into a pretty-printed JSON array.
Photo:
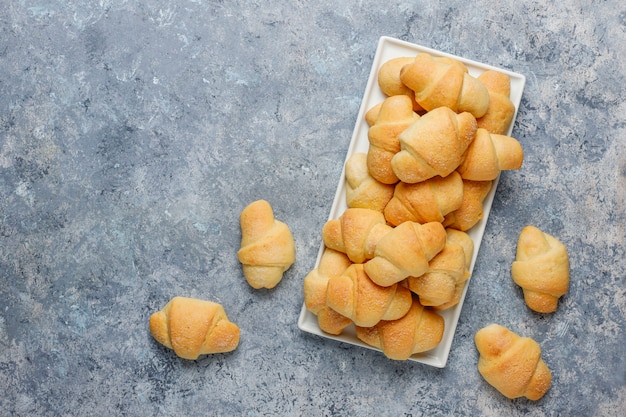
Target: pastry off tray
[{"x": 387, "y": 49}]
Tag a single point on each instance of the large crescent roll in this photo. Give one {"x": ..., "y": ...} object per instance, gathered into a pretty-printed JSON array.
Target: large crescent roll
[
  {"x": 541, "y": 268},
  {"x": 512, "y": 364},
  {"x": 267, "y": 246},
  {"x": 193, "y": 327},
  {"x": 433, "y": 145},
  {"x": 419, "y": 330}
]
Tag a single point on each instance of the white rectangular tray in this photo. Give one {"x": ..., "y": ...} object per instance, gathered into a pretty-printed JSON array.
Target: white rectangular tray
[{"x": 387, "y": 49}]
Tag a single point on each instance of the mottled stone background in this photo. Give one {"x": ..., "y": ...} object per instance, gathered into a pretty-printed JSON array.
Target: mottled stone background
[{"x": 132, "y": 134}]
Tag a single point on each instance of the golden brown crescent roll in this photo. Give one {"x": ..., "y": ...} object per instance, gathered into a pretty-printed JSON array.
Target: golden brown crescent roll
[
  {"x": 512, "y": 364},
  {"x": 355, "y": 296},
  {"x": 433, "y": 145},
  {"x": 445, "y": 82},
  {"x": 488, "y": 154},
  {"x": 541, "y": 268},
  {"x": 267, "y": 246},
  {"x": 405, "y": 251},
  {"x": 419, "y": 330},
  {"x": 425, "y": 201},
  {"x": 194, "y": 327}
]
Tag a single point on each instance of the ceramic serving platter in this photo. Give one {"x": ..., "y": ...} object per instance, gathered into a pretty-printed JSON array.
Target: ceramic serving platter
[{"x": 387, "y": 49}]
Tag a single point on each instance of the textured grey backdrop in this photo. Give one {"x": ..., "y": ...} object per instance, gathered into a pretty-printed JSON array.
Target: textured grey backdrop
[{"x": 132, "y": 134}]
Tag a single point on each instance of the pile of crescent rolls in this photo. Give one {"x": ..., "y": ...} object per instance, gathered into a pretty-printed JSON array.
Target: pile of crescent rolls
[{"x": 400, "y": 253}]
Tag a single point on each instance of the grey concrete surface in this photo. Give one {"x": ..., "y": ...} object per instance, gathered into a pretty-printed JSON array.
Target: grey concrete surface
[{"x": 132, "y": 134}]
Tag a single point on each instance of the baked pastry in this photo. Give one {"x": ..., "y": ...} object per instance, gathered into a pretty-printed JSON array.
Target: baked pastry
[
  {"x": 433, "y": 145},
  {"x": 193, "y": 327},
  {"x": 447, "y": 272},
  {"x": 541, "y": 268},
  {"x": 488, "y": 154},
  {"x": 355, "y": 296},
  {"x": 390, "y": 83},
  {"x": 419, "y": 330},
  {"x": 466, "y": 242},
  {"x": 471, "y": 210},
  {"x": 267, "y": 246},
  {"x": 355, "y": 233},
  {"x": 332, "y": 264},
  {"x": 501, "y": 109},
  {"x": 512, "y": 364},
  {"x": 395, "y": 115},
  {"x": 363, "y": 190},
  {"x": 405, "y": 251},
  {"x": 445, "y": 82},
  {"x": 425, "y": 201}
]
